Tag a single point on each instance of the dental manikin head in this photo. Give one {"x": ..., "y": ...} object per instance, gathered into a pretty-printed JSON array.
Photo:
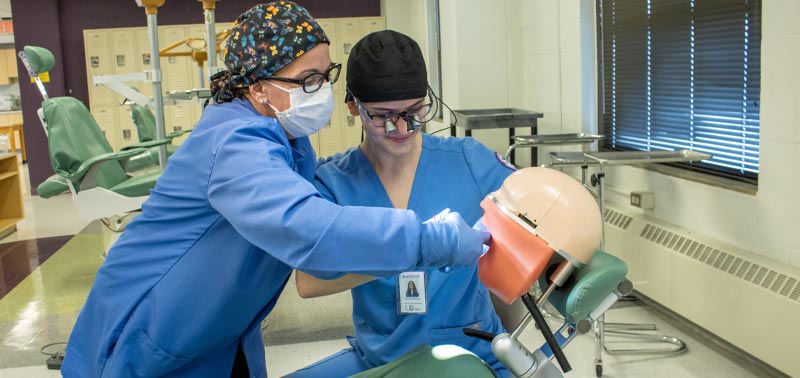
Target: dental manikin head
[
  {"x": 540, "y": 218},
  {"x": 278, "y": 59},
  {"x": 387, "y": 87}
]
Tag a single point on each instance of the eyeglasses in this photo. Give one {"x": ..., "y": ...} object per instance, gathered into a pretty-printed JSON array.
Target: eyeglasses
[
  {"x": 313, "y": 82},
  {"x": 414, "y": 117}
]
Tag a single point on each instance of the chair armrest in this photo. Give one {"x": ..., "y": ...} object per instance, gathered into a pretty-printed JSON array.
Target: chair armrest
[
  {"x": 84, "y": 176},
  {"x": 176, "y": 134},
  {"x": 149, "y": 144}
]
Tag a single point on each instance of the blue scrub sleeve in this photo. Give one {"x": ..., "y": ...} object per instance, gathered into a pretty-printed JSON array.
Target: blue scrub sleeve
[
  {"x": 488, "y": 168},
  {"x": 254, "y": 187}
]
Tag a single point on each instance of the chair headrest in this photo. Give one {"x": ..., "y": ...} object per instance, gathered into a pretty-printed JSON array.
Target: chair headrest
[{"x": 40, "y": 59}]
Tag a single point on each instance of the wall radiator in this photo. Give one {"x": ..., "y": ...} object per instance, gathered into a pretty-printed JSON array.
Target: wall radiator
[{"x": 747, "y": 300}]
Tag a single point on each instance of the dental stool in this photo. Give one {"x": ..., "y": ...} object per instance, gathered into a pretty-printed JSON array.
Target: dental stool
[{"x": 582, "y": 300}]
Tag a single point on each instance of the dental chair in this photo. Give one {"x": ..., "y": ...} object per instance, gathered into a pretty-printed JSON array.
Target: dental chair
[
  {"x": 145, "y": 123},
  {"x": 82, "y": 158},
  {"x": 545, "y": 227}
]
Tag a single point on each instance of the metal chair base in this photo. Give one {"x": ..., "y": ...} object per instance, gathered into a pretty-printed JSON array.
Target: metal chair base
[{"x": 622, "y": 330}]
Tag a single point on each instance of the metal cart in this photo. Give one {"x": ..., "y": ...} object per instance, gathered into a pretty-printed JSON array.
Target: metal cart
[{"x": 500, "y": 118}]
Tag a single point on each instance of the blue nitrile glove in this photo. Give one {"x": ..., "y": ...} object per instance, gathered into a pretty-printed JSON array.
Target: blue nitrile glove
[
  {"x": 448, "y": 241},
  {"x": 481, "y": 227}
]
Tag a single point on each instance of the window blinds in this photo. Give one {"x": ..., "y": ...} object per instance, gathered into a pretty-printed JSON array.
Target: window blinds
[{"x": 681, "y": 74}]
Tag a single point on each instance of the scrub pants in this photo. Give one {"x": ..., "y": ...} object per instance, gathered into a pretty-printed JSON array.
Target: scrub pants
[{"x": 342, "y": 364}]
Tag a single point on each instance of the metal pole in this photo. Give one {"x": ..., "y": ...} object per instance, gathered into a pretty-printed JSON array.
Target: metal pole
[
  {"x": 158, "y": 96},
  {"x": 201, "y": 79},
  {"x": 209, "y": 7},
  {"x": 211, "y": 41}
]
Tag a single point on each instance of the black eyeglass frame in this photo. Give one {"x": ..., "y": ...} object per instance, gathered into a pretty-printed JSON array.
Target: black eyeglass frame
[
  {"x": 326, "y": 76},
  {"x": 407, "y": 115}
]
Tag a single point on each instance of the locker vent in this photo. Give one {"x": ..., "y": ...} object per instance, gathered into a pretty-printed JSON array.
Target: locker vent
[{"x": 725, "y": 261}]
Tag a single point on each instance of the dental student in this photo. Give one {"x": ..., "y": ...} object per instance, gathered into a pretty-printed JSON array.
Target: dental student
[{"x": 399, "y": 166}]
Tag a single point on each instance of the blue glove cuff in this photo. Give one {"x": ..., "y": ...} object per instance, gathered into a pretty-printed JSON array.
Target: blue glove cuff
[{"x": 433, "y": 246}]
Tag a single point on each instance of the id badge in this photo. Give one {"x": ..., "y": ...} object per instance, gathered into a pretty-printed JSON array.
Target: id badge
[{"x": 412, "y": 293}]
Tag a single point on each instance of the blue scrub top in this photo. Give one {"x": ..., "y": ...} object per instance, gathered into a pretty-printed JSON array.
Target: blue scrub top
[
  {"x": 452, "y": 173},
  {"x": 194, "y": 274}
]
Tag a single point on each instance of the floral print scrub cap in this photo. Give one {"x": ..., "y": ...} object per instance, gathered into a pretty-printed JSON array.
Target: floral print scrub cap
[{"x": 263, "y": 40}]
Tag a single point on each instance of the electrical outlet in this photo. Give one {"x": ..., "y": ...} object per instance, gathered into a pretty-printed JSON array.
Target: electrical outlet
[{"x": 644, "y": 200}]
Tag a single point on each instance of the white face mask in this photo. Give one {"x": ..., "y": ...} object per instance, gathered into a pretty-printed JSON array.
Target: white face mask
[{"x": 308, "y": 112}]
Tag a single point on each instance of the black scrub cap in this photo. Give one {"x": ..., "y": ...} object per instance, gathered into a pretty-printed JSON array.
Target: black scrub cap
[
  {"x": 263, "y": 40},
  {"x": 386, "y": 66}
]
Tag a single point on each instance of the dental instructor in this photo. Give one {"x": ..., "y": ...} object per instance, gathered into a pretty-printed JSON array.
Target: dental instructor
[{"x": 184, "y": 290}]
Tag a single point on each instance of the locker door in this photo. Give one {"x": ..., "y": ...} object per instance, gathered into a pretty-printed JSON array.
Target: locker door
[
  {"x": 106, "y": 118},
  {"x": 177, "y": 70},
  {"x": 329, "y": 26},
  {"x": 351, "y": 128},
  {"x": 123, "y": 50},
  {"x": 330, "y": 137},
  {"x": 347, "y": 29},
  {"x": 123, "y": 55},
  {"x": 182, "y": 119},
  {"x": 127, "y": 134},
  {"x": 371, "y": 24},
  {"x": 98, "y": 62}
]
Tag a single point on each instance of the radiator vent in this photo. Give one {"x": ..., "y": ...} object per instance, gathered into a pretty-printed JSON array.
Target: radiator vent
[
  {"x": 749, "y": 271},
  {"x": 617, "y": 219}
]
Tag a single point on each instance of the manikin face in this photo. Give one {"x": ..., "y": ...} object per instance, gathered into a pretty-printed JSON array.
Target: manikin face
[{"x": 398, "y": 143}]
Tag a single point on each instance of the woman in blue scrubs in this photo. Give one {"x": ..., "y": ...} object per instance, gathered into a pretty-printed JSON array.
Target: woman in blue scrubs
[
  {"x": 184, "y": 290},
  {"x": 398, "y": 166}
]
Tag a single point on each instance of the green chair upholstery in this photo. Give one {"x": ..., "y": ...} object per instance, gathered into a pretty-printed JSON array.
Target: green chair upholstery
[
  {"x": 52, "y": 186},
  {"x": 421, "y": 362},
  {"x": 145, "y": 123},
  {"x": 80, "y": 153},
  {"x": 40, "y": 59},
  {"x": 592, "y": 284}
]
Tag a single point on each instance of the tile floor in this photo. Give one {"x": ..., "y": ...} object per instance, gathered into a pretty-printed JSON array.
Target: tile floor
[{"x": 41, "y": 308}]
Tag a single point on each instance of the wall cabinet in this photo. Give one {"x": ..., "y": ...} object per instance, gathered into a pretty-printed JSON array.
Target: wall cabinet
[
  {"x": 11, "y": 207},
  {"x": 8, "y": 66},
  {"x": 127, "y": 50}
]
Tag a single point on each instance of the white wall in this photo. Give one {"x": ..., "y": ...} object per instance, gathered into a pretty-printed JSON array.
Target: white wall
[{"x": 558, "y": 42}]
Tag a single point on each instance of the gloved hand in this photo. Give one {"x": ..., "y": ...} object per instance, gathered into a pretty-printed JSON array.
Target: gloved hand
[{"x": 447, "y": 240}]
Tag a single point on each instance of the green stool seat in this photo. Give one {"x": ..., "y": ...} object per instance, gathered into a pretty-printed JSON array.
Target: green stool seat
[{"x": 592, "y": 284}]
